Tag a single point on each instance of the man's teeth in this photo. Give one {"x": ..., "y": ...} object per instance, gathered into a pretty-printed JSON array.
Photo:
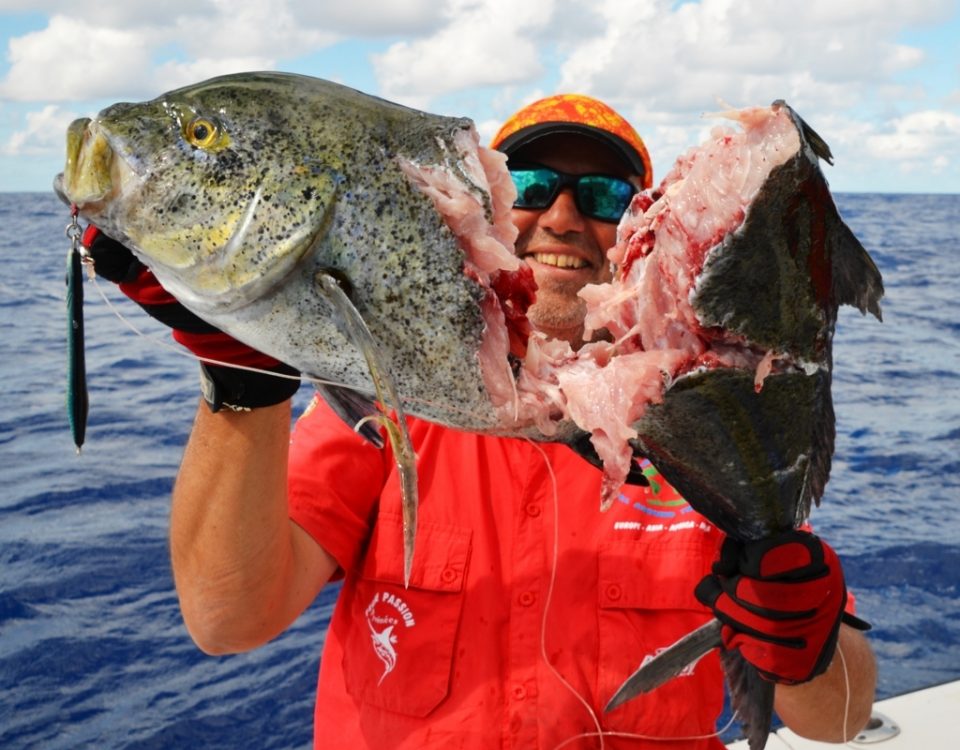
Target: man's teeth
[{"x": 560, "y": 261}]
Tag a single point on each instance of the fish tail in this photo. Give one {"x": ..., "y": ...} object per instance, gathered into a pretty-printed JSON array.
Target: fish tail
[
  {"x": 751, "y": 697},
  {"x": 668, "y": 663}
]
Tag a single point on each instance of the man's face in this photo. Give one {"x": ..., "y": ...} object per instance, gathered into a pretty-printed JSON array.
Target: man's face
[{"x": 565, "y": 249}]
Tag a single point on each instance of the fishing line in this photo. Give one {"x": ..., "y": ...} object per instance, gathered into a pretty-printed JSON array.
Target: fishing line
[
  {"x": 180, "y": 351},
  {"x": 846, "y": 684},
  {"x": 600, "y": 732},
  {"x": 546, "y": 604}
]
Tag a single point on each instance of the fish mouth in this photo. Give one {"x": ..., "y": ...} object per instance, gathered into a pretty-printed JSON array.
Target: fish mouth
[{"x": 94, "y": 174}]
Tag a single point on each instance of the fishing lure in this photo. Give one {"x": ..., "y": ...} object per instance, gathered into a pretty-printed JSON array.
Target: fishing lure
[{"x": 78, "y": 403}]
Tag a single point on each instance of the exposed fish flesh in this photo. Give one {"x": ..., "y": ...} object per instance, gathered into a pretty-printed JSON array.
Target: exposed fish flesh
[{"x": 740, "y": 259}]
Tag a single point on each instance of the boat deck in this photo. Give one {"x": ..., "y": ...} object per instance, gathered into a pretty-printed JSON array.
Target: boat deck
[{"x": 927, "y": 719}]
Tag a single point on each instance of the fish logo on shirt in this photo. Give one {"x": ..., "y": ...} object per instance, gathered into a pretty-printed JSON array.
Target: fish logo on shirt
[
  {"x": 383, "y": 614},
  {"x": 383, "y": 641}
]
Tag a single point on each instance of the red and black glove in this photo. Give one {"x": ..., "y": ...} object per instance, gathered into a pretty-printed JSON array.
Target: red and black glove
[
  {"x": 223, "y": 386},
  {"x": 780, "y": 601}
]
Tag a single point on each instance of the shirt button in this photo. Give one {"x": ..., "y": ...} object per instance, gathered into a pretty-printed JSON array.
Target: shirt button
[
  {"x": 519, "y": 692},
  {"x": 614, "y": 592},
  {"x": 527, "y": 598},
  {"x": 448, "y": 575},
  {"x": 533, "y": 510}
]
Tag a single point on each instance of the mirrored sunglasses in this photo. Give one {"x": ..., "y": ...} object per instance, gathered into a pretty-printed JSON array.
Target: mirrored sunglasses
[{"x": 598, "y": 196}]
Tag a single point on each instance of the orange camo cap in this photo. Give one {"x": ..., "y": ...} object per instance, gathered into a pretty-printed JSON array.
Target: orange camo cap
[{"x": 575, "y": 113}]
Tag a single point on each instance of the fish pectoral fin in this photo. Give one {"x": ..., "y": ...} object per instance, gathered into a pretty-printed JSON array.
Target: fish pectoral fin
[
  {"x": 355, "y": 409},
  {"x": 355, "y": 329}
]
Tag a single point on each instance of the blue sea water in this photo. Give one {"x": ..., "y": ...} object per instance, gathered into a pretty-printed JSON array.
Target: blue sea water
[{"x": 92, "y": 649}]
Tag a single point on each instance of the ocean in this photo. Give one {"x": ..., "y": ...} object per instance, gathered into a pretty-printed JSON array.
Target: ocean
[{"x": 93, "y": 652}]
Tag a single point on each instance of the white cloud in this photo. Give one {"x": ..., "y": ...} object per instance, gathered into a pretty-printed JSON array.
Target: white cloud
[
  {"x": 482, "y": 43},
  {"x": 266, "y": 29},
  {"x": 117, "y": 50},
  {"x": 662, "y": 64},
  {"x": 850, "y": 67},
  {"x": 676, "y": 59},
  {"x": 53, "y": 64},
  {"x": 373, "y": 17},
  {"x": 43, "y": 133},
  {"x": 928, "y": 137}
]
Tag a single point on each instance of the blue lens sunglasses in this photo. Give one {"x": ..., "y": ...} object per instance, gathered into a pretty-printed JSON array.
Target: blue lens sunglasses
[{"x": 598, "y": 196}]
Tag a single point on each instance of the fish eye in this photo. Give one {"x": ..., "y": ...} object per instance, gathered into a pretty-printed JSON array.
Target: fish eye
[{"x": 204, "y": 133}]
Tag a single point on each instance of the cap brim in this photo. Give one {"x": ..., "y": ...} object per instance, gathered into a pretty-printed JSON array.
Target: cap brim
[{"x": 526, "y": 136}]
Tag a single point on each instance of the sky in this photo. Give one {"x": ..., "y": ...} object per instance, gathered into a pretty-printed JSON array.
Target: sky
[{"x": 879, "y": 80}]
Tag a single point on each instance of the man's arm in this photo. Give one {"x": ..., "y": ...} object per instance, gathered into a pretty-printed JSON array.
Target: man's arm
[
  {"x": 816, "y": 709},
  {"x": 243, "y": 570}
]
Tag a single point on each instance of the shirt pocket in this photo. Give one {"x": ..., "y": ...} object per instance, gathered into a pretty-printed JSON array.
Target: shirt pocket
[
  {"x": 646, "y": 603},
  {"x": 399, "y": 651}
]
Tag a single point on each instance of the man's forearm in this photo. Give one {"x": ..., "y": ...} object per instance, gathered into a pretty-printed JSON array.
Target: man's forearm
[
  {"x": 816, "y": 709},
  {"x": 237, "y": 558}
]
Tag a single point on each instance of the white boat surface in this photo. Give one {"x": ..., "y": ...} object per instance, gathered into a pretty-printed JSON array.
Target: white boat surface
[{"x": 926, "y": 719}]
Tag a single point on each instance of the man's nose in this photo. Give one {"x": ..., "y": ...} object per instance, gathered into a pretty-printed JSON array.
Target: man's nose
[{"x": 562, "y": 215}]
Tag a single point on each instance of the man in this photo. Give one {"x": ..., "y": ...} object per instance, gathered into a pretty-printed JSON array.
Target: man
[{"x": 527, "y": 607}]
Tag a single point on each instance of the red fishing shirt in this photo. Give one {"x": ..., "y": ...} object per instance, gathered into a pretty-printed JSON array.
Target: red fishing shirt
[{"x": 527, "y": 606}]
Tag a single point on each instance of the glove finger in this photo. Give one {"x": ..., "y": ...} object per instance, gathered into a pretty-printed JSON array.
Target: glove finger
[
  {"x": 798, "y": 651},
  {"x": 790, "y": 598},
  {"x": 158, "y": 303},
  {"x": 708, "y": 591},
  {"x": 792, "y": 555},
  {"x": 775, "y": 662},
  {"x": 774, "y": 628}
]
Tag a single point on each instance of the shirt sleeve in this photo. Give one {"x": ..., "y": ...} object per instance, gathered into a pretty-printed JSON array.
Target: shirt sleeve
[{"x": 334, "y": 482}]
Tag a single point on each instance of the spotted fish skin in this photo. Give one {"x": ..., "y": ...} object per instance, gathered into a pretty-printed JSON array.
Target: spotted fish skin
[{"x": 242, "y": 191}]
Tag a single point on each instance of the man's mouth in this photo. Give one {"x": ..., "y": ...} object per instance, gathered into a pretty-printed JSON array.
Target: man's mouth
[{"x": 560, "y": 261}]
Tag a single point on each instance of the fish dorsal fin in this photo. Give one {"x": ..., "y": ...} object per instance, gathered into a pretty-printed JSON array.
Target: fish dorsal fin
[
  {"x": 355, "y": 409},
  {"x": 809, "y": 135}
]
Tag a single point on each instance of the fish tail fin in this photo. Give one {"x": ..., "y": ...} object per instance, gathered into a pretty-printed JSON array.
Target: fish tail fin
[
  {"x": 668, "y": 664},
  {"x": 751, "y": 697}
]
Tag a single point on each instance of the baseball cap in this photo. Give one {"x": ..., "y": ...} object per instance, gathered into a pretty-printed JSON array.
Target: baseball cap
[{"x": 577, "y": 114}]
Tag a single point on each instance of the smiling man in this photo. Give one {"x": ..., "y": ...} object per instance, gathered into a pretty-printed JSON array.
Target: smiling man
[
  {"x": 526, "y": 606},
  {"x": 566, "y": 212}
]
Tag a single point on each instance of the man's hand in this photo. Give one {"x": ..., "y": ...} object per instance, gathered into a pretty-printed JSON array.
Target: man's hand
[
  {"x": 223, "y": 386},
  {"x": 780, "y": 601}
]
